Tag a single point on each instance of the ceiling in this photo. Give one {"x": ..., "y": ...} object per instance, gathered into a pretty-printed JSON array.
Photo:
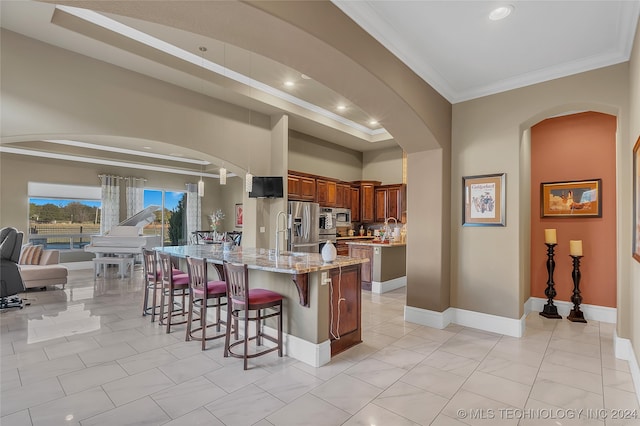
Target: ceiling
[
  {"x": 452, "y": 45},
  {"x": 460, "y": 52}
]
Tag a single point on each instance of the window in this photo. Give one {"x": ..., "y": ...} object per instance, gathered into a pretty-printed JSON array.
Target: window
[
  {"x": 170, "y": 219},
  {"x": 63, "y": 216}
]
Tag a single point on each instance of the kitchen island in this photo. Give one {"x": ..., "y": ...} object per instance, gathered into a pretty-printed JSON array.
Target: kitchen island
[
  {"x": 322, "y": 303},
  {"x": 387, "y": 267}
]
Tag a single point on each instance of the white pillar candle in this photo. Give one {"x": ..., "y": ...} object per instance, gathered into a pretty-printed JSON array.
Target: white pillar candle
[
  {"x": 575, "y": 247},
  {"x": 550, "y": 236}
]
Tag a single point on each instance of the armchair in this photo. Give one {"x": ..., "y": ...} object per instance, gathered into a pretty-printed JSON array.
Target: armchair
[{"x": 10, "y": 279}]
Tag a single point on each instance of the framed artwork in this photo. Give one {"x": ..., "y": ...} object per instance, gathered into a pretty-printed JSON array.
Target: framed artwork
[
  {"x": 483, "y": 200},
  {"x": 636, "y": 201},
  {"x": 238, "y": 215},
  {"x": 582, "y": 198}
]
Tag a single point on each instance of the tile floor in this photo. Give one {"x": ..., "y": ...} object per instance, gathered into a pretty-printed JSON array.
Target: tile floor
[{"x": 85, "y": 356}]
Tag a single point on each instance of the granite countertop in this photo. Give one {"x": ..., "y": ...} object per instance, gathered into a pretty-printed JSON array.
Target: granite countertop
[
  {"x": 376, "y": 244},
  {"x": 356, "y": 237},
  {"x": 263, "y": 259}
]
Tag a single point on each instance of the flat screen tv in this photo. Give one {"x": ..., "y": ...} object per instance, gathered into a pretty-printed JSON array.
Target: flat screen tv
[{"x": 267, "y": 187}]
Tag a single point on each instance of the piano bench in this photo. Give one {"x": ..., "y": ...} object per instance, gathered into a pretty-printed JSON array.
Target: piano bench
[{"x": 124, "y": 264}]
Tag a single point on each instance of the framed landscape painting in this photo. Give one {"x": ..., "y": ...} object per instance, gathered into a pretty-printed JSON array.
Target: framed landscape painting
[
  {"x": 636, "y": 201},
  {"x": 483, "y": 200},
  {"x": 581, "y": 198}
]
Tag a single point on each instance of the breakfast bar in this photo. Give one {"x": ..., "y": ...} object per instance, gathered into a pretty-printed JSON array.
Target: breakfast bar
[{"x": 322, "y": 300}]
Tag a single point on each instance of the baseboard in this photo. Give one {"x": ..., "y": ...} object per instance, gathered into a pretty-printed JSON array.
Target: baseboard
[
  {"x": 591, "y": 312},
  {"x": 487, "y": 322},
  {"x": 385, "y": 286},
  {"x": 429, "y": 318},
  {"x": 624, "y": 350}
]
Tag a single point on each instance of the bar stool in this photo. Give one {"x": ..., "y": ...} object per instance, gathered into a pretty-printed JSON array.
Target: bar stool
[
  {"x": 202, "y": 292},
  {"x": 173, "y": 284},
  {"x": 152, "y": 283},
  {"x": 242, "y": 302}
]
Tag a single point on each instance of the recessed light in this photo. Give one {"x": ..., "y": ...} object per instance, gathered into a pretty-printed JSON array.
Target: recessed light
[
  {"x": 501, "y": 12},
  {"x": 373, "y": 122},
  {"x": 146, "y": 147},
  {"x": 305, "y": 77},
  {"x": 341, "y": 107},
  {"x": 289, "y": 83}
]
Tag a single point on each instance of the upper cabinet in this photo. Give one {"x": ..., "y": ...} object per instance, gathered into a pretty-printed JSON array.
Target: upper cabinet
[
  {"x": 390, "y": 201},
  {"x": 326, "y": 192},
  {"x": 301, "y": 187},
  {"x": 369, "y": 201}
]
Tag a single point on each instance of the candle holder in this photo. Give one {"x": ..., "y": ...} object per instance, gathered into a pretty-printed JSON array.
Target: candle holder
[
  {"x": 550, "y": 310},
  {"x": 576, "y": 314}
]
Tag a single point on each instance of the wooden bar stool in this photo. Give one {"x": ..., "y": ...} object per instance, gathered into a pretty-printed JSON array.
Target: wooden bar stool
[
  {"x": 202, "y": 292},
  {"x": 245, "y": 304},
  {"x": 152, "y": 283},
  {"x": 173, "y": 284}
]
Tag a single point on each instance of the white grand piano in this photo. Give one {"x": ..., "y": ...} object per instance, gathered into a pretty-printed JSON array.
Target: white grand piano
[{"x": 124, "y": 241}]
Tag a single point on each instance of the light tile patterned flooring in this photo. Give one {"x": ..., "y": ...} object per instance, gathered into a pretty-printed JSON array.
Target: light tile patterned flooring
[{"x": 85, "y": 356}]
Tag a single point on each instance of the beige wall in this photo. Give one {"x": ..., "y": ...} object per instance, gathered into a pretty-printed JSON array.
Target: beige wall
[
  {"x": 488, "y": 136},
  {"x": 629, "y": 298},
  {"x": 384, "y": 165},
  {"x": 52, "y": 93},
  {"x": 319, "y": 157}
]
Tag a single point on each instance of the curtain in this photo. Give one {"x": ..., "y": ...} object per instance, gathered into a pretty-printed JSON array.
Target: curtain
[
  {"x": 135, "y": 195},
  {"x": 110, "y": 212},
  {"x": 194, "y": 213}
]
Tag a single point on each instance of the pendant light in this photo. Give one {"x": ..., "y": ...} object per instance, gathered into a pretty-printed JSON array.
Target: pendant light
[
  {"x": 201, "y": 182},
  {"x": 200, "y": 187},
  {"x": 223, "y": 176},
  {"x": 248, "y": 182},
  {"x": 248, "y": 178}
]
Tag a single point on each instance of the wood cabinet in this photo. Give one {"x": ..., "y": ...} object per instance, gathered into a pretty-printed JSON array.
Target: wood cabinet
[
  {"x": 367, "y": 201},
  {"x": 343, "y": 195},
  {"x": 301, "y": 188},
  {"x": 326, "y": 193},
  {"x": 346, "y": 302},
  {"x": 342, "y": 248},
  {"x": 354, "y": 193},
  {"x": 366, "y": 273},
  {"x": 390, "y": 201}
]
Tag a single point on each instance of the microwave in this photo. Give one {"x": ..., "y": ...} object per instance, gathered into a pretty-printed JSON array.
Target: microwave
[{"x": 343, "y": 217}]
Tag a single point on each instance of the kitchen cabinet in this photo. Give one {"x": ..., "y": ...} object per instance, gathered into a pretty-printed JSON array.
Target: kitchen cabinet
[
  {"x": 363, "y": 252},
  {"x": 354, "y": 205},
  {"x": 301, "y": 188},
  {"x": 387, "y": 267},
  {"x": 326, "y": 193},
  {"x": 346, "y": 297},
  {"x": 390, "y": 201},
  {"x": 367, "y": 200},
  {"x": 343, "y": 195}
]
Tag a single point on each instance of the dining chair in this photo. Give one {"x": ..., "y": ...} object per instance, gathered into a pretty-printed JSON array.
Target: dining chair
[
  {"x": 204, "y": 294},
  {"x": 249, "y": 305},
  {"x": 174, "y": 284}
]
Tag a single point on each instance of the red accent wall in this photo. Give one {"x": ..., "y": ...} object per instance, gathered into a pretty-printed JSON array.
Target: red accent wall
[{"x": 576, "y": 147}]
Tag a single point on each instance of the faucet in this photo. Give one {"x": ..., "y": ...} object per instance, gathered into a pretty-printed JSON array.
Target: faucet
[
  {"x": 279, "y": 230},
  {"x": 387, "y": 229}
]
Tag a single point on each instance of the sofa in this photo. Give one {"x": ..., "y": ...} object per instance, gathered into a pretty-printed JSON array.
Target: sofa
[{"x": 46, "y": 270}]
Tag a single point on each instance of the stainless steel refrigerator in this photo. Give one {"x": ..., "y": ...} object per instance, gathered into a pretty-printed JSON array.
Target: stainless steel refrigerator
[{"x": 303, "y": 227}]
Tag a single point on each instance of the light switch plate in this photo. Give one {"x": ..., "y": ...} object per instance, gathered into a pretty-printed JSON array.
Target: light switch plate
[{"x": 262, "y": 229}]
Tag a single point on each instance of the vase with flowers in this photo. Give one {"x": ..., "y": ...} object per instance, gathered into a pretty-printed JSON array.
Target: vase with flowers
[{"x": 216, "y": 220}]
